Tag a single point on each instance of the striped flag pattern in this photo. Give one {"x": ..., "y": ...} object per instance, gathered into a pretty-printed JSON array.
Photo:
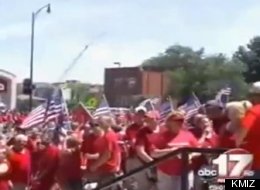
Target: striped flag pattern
[
  {"x": 36, "y": 117},
  {"x": 150, "y": 104},
  {"x": 191, "y": 107},
  {"x": 164, "y": 110},
  {"x": 103, "y": 109},
  {"x": 44, "y": 113}
]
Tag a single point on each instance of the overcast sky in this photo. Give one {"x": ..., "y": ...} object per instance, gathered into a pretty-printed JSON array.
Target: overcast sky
[{"x": 126, "y": 31}]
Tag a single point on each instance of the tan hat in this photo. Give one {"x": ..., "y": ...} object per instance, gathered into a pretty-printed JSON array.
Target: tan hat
[{"x": 255, "y": 88}]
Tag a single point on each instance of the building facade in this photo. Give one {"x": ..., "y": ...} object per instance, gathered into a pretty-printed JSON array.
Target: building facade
[
  {"x": 8, "y": 89},
  {"x": 127, "y": 86}
]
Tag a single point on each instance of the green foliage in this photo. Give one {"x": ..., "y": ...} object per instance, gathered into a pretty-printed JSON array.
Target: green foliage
[
  {"x": 191, "y": 71},
  {"x": 173, "y": 57},
  {"x": 250, "y": 56}
]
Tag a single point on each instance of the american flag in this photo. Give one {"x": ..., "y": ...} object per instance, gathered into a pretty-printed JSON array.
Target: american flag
[
  {"x": 119, "y": 110},
  {"x": 191, "y": 107},
  {"x": 45, "y": 112},
  {"x": 151, "y": 103},
  {"x": 164, "y": 110},
  {"x": 103, "y": 109},
  {"x": 222, "y": 96}
]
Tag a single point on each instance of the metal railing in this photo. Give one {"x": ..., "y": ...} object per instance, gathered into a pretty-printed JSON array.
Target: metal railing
[{"x": 184, "y": 152}]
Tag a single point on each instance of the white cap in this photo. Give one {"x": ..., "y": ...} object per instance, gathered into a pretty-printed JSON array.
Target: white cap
[
  {"x": 255, "y": 88},
  {"x": 140, "y": 108}
]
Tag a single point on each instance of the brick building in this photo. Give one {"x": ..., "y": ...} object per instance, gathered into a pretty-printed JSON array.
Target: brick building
[{"x": 127, "y": 85}]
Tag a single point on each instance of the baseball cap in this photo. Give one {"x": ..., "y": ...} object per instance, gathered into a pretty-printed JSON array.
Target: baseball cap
[{"x": 255, "y": 88}]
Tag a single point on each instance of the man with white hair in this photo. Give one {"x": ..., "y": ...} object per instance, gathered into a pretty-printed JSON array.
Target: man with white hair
[
  {"x": 20, "y": 163},
  {"x": 249, "y": 133}
]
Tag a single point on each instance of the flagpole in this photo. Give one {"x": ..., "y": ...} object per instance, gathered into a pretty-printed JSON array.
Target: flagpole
[
  {"x": 171, "y": 103},
  {"x": 83, "y": 106},
  {"x": 105, "y": 98},
  {"x": 47, "y": 109}
]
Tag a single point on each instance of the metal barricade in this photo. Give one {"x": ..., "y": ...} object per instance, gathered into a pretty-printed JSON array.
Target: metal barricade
[{"x": 184, "y": 152}]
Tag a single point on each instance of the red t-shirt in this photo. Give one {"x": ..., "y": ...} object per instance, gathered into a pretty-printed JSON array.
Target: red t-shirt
[
  {"x": 35, "y": 155},
  {"x": 167, "y": 139},
  {"x": 70, "y": 162},
  {"x": 143, "y": 139},
  {"x": 130, "y": 136},
  {"x": 251, "y": 122},
  {"x": 100, "y": 144},
  {"x": 4, "y": 185},
  {"x": 219, "y": 123},
  {"x": 226, "y": 139},
  {"x": 20, "y": 163},
  {"x": 210, "y": 142},
  {"x": 49, "y": 161}
]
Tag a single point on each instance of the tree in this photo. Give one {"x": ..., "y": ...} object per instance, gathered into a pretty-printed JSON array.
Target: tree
[
  {"x": 79, "y": 92},
  {"x": 250, "y": 56},
  {"x": 191, "y": 71},
  {"x": 174, "y": 57}
]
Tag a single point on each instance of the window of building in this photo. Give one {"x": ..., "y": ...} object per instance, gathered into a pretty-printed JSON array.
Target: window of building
[
  {"x": 131, "y": 82},
  {"x": 118, "y": 82}
]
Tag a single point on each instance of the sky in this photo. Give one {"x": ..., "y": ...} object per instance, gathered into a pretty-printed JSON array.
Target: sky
[{"x": 126, "y": 31}]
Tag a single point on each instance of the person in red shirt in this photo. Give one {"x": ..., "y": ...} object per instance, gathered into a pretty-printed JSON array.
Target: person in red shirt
[
  {"x": 131, "y": 131},
  {"x": 20, "y": 163},
  {"x": 168, "y": 140},
  {"x": 203, "y": 130},
  {"x": 234, "y": 111},
  {"x": 144, "y": 179},
  {"x": 47, "y": 165},
  {"x": 105, "y": 152},
  {"x": 69, "y": 171},
  {"x": 4, "y": 172},
  {"x": 248, "y": 137},
  {"x": 33, "y": 147},
  {"x": 5, "y": 168}
]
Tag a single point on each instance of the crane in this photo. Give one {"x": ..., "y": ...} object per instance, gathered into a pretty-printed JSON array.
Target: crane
[{"x": 76, "y": 59}]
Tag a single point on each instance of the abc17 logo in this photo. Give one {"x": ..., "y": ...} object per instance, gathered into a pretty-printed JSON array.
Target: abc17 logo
[{"x": 233, "y": 164}]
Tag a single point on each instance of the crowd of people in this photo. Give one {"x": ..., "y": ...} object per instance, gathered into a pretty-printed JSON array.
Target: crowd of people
[
  {"x": 11, "y": 117},
  {"x": 102, "y": 150}
]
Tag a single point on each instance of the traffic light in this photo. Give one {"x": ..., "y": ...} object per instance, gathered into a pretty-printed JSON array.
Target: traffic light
[{"x": 27, "y": 86}]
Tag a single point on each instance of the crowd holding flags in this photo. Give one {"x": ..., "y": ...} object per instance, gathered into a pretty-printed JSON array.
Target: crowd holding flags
[
  {"x": 46, "y": 112},
  {"x": 103, "y": 108},
  {"x": 55, "y": 107},
  {"x": 165, "y": 109},
  {"x": 191, "y": 107}
]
